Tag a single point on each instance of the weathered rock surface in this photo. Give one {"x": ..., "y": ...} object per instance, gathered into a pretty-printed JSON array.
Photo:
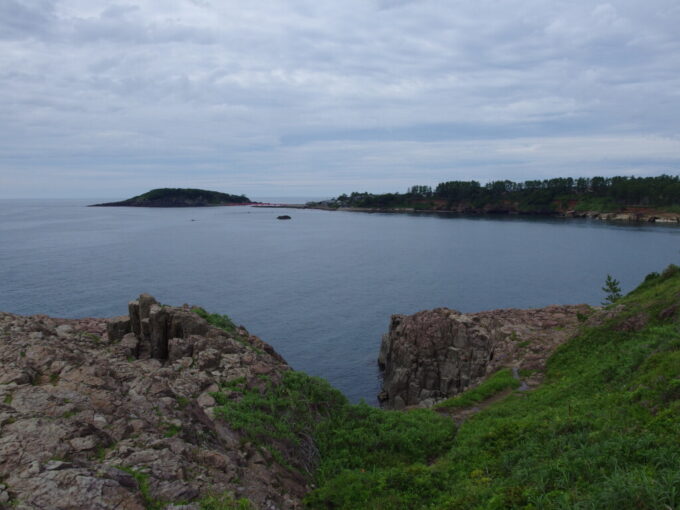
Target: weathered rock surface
[
  {"x": 435, "y": 354},
  {"x": 91, "y": 410}
]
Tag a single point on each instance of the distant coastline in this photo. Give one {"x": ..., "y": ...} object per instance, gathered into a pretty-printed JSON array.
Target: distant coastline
[{"x": 630, "y": 199}]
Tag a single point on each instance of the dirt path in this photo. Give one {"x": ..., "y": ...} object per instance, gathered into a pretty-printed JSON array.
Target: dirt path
[{"x": 460, "y": 415}]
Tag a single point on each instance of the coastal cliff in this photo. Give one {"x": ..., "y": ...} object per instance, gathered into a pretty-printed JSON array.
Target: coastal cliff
[
  {"x": 121, "y": 413},
  {"x": 174, "y": 408},
  {"x": 436, "y": 354}
]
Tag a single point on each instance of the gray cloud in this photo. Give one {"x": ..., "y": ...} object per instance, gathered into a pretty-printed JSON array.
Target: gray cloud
[{"x": 324, "y": 97}]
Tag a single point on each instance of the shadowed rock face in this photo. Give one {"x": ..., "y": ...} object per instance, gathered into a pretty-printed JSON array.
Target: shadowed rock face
[
  {"x": 435, "y": 354},
  {"x": 82, "y": 401}
]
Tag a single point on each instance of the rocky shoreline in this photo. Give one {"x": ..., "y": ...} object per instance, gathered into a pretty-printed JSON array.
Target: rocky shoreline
[
  {"x": 123, "y": 413},
  {"x": 648, "y": 216},
  {"x": 119, "y": 413}
]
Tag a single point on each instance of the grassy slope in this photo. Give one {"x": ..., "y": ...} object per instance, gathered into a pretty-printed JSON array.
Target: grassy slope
[{"x": 601, "y": 432}]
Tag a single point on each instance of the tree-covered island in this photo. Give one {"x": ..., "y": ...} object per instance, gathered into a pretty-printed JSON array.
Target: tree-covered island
[
  {"x": 635, "y": 197},
  {"x": 179, "y": 197}
]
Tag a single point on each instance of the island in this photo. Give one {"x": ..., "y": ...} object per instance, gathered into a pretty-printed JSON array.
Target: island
[{"x": 179, "y": 197}]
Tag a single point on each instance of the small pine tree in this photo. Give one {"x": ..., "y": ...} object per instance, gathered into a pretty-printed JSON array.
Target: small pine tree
[{"x": 613, "y": 290}]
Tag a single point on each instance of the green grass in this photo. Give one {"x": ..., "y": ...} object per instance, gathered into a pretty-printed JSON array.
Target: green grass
[
  {"x": 171, "y": 430},
  {"x": 224, "y": 323},
  {"x": 225, "y": 502},
  {"x": 496, "y": 383},
  {"x": 216, "y": 319},
  {"x": 306, "y": 413},
  {"x": 142, "y": 479},
  {"x": 600, "y": 433}
]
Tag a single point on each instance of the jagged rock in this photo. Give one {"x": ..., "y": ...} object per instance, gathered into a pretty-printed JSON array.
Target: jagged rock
[
  {"x": 158, "y": 331},
  {"x": 133, "y": 311},
  {"x": 117, "y": 328},
  {"x": 74, "y": 412},
  {"x": 435, "y": 354}
]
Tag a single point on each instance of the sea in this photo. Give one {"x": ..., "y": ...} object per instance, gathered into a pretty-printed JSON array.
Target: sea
[{"x": 320, "y": 287}]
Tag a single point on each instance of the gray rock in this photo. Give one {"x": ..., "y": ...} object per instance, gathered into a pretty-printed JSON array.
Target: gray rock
[
  {"x": 113, "y": 406},
  {"x": 64, "y": 331},
  {"x": 129, "y": 345},
  {"x": 133, "y": 310},
  {"x": 118, "y": 327},
  {"x": 158, "y": 332}
]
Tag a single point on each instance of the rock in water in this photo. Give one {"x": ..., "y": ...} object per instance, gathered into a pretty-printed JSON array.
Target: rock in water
[{"x": 435, "y": 354}]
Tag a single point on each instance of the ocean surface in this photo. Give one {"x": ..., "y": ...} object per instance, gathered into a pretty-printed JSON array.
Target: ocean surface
[{"x": 321, "y": 287}]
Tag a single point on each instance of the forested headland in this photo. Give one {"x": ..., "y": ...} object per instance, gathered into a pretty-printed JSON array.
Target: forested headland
[{"x": 548, "y": 196}]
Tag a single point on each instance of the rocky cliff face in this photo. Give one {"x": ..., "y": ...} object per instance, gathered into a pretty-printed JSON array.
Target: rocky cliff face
[
  {"x": 435, "y": 354},
  {"x": 98, "y": 414}
]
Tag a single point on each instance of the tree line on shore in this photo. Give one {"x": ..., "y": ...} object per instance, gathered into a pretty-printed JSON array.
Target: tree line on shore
[{"x": 598, "y": 193}]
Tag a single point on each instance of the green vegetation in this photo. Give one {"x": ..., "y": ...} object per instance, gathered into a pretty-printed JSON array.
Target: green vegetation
[
  {"x": 531, "y": 197},
  {"x": 180, "y": 197},
  {"x": 279, "y": 417},
  {"x": 225, "y": 502},
  {"x": 225, "y": 323},
  {"x": 308, "y": 425},
  {"x": 142, "y": 479},
  {"x": 215, "y": 319},
  {"x": 612, "y": 289},
  {"x": 498, "y": 382},
  {"x": 182, "y": 402},
  {"x": 171, "y": 429},
  {"x": 91, "y": 336},
  {"x": 600, "y": 433}
]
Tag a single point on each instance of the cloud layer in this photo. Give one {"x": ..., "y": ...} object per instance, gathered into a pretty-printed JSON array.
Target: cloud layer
[{"x": 317, "y": 98}]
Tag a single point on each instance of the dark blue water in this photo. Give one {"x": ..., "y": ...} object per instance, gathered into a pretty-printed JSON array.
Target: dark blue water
[{"x": 321, "y": 287}]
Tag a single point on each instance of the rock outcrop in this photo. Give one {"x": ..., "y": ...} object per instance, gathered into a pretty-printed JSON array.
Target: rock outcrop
[
  {"x": 119, "y": 414},
  {"x": 435, "y": 354}
]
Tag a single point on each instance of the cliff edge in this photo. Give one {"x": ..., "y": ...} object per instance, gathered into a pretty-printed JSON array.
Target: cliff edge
[
  {"x": 435, "y": 354},
  {"x": 120, "y": 413}
]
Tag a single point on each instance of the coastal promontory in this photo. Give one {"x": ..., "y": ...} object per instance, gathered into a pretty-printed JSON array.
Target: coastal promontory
[
  {"x": 179, "y": 197},
  {"x": 173, "y": 407}
]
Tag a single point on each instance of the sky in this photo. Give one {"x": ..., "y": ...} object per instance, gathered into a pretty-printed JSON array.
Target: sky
[{"x": 316, "y": 98}]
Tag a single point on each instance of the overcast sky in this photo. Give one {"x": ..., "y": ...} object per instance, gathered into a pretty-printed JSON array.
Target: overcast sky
[{"x": 317, "y": 97}]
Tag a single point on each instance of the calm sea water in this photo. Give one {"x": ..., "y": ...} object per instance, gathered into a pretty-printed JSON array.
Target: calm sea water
[{"x": 321, "y": 287}]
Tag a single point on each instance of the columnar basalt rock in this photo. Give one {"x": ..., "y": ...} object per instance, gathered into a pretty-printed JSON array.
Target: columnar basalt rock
[
  {"x": 106, "y": 400},
  {"x": 155, "y": 327},
  {"x": 435, "y": 354}
]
